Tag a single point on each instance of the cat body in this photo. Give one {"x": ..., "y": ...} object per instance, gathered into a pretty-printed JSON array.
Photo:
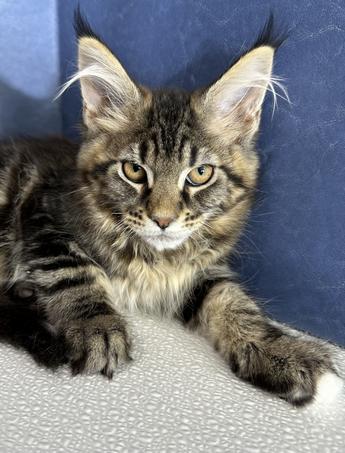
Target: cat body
[
  {"x": 143, "y": 215},
  {"x": 39, "y": 180}
]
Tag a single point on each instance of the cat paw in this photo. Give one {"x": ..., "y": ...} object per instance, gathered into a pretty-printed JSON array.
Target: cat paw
[
  {"x": 97, "y": 344},
  {"x": 297, "y": 370}
]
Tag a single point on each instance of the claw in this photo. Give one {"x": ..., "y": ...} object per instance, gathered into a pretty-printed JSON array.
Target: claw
[
  {"x": 107, "y": 373},
  {"x": 78, "y": 366}
]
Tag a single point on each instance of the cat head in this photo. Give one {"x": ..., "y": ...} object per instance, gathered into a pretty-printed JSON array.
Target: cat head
[{"x": 169, "y": 167}]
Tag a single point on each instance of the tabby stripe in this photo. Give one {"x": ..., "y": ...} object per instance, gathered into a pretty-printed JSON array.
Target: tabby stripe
[
  {"x": 67, "y": 283},
  {"x": 40, "y": 220},
  {"x": 50, "y": 249},
  {"x": 164, "y": 137},
  {"x": 233, "y": 177},
  {"x": 143, "y": 148},
  {"x": 155, "y": 143},
  {"x": 197, "y": 297},
  {"x": 250, "y": 312},
  {"x": 185, "y": 196},
  {"x": 181, "y": 147},
  {"x": 42, "y": 216},
  {"x": 145, "y": 193},
  {"x": 272, "y": 333},
  {"x": 193, "y": 156},
  {"x": 5, "y": 217},
  {"x": 13, "y": 181},
  {"x": 46, "y": 236},
  {"x": 98, "y": 310},
  {"x": 101, "y": 169},
  {"x": 62, "y": 263},
  {"x": 87, "y": 309}
]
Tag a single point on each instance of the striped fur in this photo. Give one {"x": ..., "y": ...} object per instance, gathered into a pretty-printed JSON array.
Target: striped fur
[{"x": 80, "y": 243}]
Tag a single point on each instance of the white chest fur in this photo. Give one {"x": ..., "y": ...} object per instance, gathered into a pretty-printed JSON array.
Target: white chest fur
[{"x": 153, "y": 288}]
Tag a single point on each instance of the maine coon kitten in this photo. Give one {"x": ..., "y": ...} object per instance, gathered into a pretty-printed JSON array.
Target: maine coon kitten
[{"x": 143, "y": 216}]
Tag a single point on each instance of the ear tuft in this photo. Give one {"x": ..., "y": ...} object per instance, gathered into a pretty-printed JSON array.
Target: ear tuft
[
  {"x": 231, "y": 107},
  {"x": 82, "y": 26},
  {"x": 271, "y": 35},
  {"x": 110, "y": 97}
]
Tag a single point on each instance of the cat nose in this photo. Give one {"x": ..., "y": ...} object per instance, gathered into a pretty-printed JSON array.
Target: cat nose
[{"x": 162, "y": 222}]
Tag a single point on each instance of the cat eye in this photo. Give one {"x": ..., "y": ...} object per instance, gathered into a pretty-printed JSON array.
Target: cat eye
[
  {"x": 200, "y": 175},
  {"x": 134, "y": 172}
]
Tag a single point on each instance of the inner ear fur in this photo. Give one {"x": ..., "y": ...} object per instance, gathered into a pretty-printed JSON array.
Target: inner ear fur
[
  {"x": 230, "y": 108},
  {"x": 109, "y": 94}
]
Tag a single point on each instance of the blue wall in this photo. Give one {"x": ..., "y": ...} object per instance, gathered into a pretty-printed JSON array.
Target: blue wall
[
  {"x": 29, "y": 69},
  {"x": 293, "y": 252}
]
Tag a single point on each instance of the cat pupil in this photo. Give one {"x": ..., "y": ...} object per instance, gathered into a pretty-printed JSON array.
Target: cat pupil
[
  {"x": 201, "y": 170},
  {"x": 136, "y": 168}
]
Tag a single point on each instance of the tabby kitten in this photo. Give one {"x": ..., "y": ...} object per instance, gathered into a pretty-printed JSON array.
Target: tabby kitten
[{"x": 143, "y": 216}]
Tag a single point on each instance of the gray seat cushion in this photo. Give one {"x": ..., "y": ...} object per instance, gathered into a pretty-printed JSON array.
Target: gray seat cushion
[{"x": 176, "y": 396}]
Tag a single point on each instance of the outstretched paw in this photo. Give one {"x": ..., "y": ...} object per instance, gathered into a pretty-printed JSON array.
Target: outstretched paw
[
  {"x": 297, "y": 370},
  {"x": 97, "y": 344}
]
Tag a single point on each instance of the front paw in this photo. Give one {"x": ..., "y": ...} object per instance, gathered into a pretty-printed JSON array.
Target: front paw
[
  {"x": 97, "y": 344},
  {"x": 290, "y": 367}
]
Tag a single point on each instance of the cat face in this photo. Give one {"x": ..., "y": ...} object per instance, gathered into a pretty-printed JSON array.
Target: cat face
[
  {"x": 167, "y": 183},
  {"x": 166, "y": 171},
  {"x": 168, "y": 167}
]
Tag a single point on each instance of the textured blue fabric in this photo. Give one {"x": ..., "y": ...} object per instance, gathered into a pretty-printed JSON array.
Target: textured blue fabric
[
  {"x": 29, "y": 69},
  {"x": 292, "y": 254}
]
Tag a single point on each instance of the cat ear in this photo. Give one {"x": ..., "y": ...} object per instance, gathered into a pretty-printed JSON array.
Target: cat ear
[
  {"x": 108, "y": 92},
  {"x": 110, "y": 97},
  {"x": 231, "y": 107}
]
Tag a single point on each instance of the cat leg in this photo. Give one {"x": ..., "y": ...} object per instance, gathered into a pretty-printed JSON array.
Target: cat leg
[
  {"x": 259, "y": 351},
  {"x": 75, "y": 295}
]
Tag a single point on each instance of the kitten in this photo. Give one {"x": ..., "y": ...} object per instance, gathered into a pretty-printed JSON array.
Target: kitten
[{"x": 143, "y": 216}]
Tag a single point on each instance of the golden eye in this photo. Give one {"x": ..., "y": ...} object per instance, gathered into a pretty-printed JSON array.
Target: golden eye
[
  {"x": 200, "y": 175},
  {"x": 134, "y": 172}
]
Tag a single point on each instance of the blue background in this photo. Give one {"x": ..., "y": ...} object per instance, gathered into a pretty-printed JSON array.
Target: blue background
[{"x": 292, "y": 255}]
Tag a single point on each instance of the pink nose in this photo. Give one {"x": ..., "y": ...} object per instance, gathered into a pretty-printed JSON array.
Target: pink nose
[{"x": 162, "y": 222}]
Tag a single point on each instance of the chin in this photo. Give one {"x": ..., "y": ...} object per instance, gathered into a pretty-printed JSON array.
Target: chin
[{"x": 161, "y": 243}]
